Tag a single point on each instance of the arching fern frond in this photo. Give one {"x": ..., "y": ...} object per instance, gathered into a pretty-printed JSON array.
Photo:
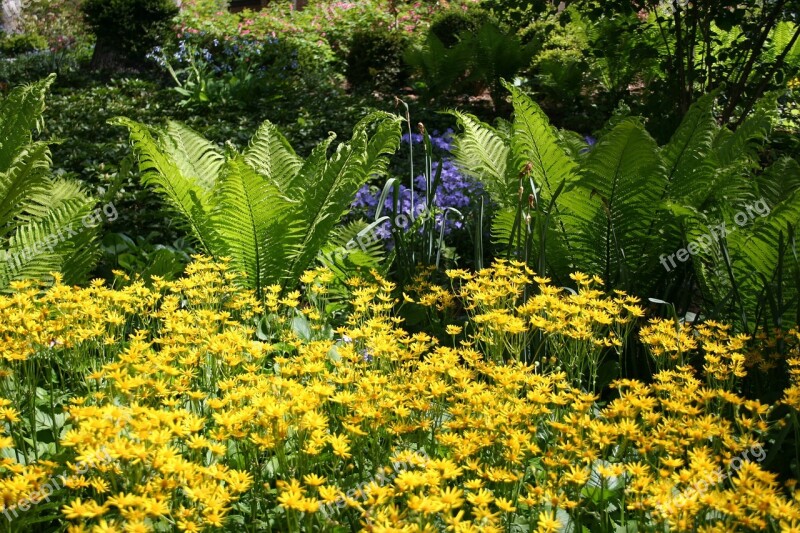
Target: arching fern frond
[
  {"x": 625, "y": 178},
  {"x": 20, "y": 113},
  {"x": 42, "y": 227},
  {"x": 28, "y": 174},
  {"x": 323, "y": 205},
  {"x": 779, "y": 180},
  {"x": 159, "y": 163},
  {"x": 536, "y": 148},
  {"x": 352, "y": 247},
  {"x": 482, "y": 153}
]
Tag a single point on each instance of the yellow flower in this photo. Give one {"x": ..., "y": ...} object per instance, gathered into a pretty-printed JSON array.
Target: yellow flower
[
  {"x": 314, "y": 480},
  {"x": 548, "y": 523},
  {"x": 505, "y": 505},
  {"x": 79, "y": 509},
  {"x": 452, "y": 329}
]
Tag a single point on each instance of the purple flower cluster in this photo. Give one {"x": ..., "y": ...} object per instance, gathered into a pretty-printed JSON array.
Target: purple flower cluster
[{"x": 454, "y": 190}]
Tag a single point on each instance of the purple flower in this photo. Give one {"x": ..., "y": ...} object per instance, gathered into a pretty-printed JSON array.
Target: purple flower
[{"x": 453, "y": 191}]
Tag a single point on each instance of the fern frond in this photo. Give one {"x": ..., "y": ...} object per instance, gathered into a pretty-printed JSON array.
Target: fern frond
[
  {"x": 254, "y": 222},
  {"x": 741, "y": 143},
  {"x": 503, "y": 231},
  {"x": 574, "y": 144},
  {"x": 689, "y": 171},
  {"x": 537, "y": 152},
  {"x": 303, "y": 180},
  {"x": 187, "y": 195},
  {"x": 383, "y": 143},
  {"x": 779, "y": 180},
  {"x": 536, "y": 147},
  {"x": 196, "y": 158},
  {"x": 323, "y": 205},
  {"x": 20, "y": 113},
  {"x": 482, "y": 153},
  {"x": 28, "y": 174},
  {"x": 352, "y": 248},
  {"x": 54, "y": 236},
  {"x": 270, "y": 154},
  {"x": 780, "y": 39},
  {"x": 625, "y": 180},
  {"x": 326, "y": 188}
]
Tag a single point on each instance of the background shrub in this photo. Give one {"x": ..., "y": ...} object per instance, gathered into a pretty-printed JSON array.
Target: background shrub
[
  {"x": 447, "y": 25},
  {"x": 127, "y": 30},
  {"x": 375, "y": 59}
]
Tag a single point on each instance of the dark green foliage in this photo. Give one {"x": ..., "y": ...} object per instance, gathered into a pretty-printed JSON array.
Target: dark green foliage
[
  {"x": 517, "y": 14},
  {"x": 375, "y": 60},
  {"x": 449, "y": 25},
  {"x": 131, "y": 28},
  {"x": 478, "y": 62},
  {"x": 144, "y": 259}
]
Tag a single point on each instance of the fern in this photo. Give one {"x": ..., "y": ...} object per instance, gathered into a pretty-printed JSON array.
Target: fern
[
  {"x": 778, "y": 181},
  {"x": 187, "y": 195},
  {"x": 270, "y": 154},
  {"x": 732, "y": 146},
  {"x": 626, "y": 205},
  {"x": 20, "y": 113},
  {"x": 41, "y": 219},
  {"x": 336, "y": 183},
  {"x": 267, "y": 209},
  {"x": 536, "y": 147},
  {"x": 353, "y": 246},
  {"x": 195, "y": 156},
  {"x": 251, "y": 219}
]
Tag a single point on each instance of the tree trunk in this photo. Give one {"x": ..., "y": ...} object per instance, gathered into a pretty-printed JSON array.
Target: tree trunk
[
  {"x": 11, "y": 12},
  {"x": 106, "y": 57}
]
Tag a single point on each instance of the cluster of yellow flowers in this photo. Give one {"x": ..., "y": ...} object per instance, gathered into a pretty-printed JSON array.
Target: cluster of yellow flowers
[
  {"x": 516, "y": 315},
  {"x": 791, "y": 395},
  {"x": 673, "y": 345},
  {"x": 190, "y": 424}
]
